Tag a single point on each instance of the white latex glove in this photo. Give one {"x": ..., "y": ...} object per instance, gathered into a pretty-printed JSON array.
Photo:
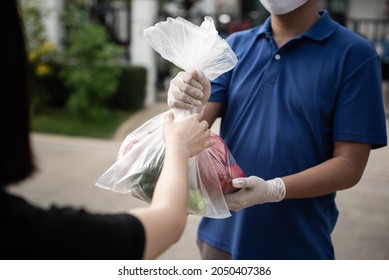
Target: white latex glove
[
  {"x": 189, "y": 91},
  {"x": 253, "y": 191}
]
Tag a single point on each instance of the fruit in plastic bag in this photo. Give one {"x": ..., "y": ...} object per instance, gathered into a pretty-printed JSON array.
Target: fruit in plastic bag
[{"x": 225, "y": 166}]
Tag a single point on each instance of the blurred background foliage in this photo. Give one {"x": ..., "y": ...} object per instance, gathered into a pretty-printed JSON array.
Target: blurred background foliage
[
  {"x": 89, "y": 76},
  {"x": 90, "y": 64},
  {"x": 84, "y": 83}
]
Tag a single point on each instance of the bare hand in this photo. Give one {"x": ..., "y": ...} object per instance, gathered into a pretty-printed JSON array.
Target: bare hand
[{"x": 190, "y": 135}]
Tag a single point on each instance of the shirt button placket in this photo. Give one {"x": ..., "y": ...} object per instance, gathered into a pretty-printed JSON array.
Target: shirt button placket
[{"x": 273, "y": 70}]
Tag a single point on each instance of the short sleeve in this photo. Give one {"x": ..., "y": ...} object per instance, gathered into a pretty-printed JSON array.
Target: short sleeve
[{"x": 359, "y": 114}]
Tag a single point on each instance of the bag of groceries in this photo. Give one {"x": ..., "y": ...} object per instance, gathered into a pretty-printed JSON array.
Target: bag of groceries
[
  {"x": 140, "y": 160},
  {"x": 141, "y": 155}
]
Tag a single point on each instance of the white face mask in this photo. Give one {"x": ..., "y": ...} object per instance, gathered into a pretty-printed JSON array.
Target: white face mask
[{"x": 280, "y": 7}]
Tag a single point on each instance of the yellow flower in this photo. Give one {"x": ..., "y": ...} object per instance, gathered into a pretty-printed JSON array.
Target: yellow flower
[
  {"x": 43, "y": 49},
  {"x": 32, "y": 56},
  {"x": 43, "y": 69},
  {"x": 47, "y": 47}
]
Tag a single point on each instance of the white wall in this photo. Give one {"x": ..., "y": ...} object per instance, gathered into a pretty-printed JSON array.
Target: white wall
[
  {"x": 143, "y": 15},
  {"x": 367, "y": 8},
  {"x": 52, "y": 21},
  {"x": 121, "y": 23}
]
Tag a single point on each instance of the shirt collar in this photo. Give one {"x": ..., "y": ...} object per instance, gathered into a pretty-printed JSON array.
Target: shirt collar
[
  {"x": 265, "y": 28},
  {"x": 322, "y": 29}
]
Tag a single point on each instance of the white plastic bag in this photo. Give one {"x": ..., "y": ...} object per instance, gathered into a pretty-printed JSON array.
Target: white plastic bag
[
  {"x": 141, "y": 154},
  {"x": 192, "y": 47},
  {"x": 140, "y": 160}
]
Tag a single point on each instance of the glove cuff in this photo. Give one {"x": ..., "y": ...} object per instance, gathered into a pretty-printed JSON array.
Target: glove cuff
[{"x": 277, "y": 190}]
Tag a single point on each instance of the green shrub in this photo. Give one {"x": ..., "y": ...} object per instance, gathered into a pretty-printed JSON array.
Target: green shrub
[
  {"x": 87, "y": 78},
  {"x": 131, "y": 91},
  {"x": 50, "y": 91},
  {"x": 91, "y": 66},
  {"x": 43, "y": 56}
]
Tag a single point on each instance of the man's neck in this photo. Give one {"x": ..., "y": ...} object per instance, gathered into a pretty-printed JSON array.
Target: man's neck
[{"x": 286, "y": 27}]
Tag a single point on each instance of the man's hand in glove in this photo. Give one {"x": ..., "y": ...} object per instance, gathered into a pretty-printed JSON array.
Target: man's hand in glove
[
  {"x": 253, "y": 191},
  {"x": 189, "y": 91}
]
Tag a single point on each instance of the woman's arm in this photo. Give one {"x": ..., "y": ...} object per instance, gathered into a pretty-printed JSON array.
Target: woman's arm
[{"x": 164, "y": 221}]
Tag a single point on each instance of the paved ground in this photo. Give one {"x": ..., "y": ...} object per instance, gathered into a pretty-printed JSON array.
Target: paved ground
[{"x": 69, "y": 167}]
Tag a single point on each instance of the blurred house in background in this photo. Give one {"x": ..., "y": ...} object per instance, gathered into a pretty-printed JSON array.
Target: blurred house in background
[{"x": 125, "y": 21}]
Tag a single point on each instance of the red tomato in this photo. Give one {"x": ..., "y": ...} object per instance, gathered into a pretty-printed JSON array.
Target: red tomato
[
  {"x": 219, "y": 148},
  {"x": 224, "y": 165},
  {"x": 235, "y": 171}
]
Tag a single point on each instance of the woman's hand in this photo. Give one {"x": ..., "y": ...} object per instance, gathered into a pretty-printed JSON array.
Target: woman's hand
[{"x": 189, "y": 135}]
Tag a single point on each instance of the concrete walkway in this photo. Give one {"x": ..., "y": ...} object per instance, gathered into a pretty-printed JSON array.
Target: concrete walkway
[{"x": 70, "y": 166}]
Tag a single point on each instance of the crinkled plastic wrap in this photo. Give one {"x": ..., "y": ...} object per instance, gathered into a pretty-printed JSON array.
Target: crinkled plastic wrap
[
  {"x": 141, "y": 155},
  {"x": 192, "y": 47},
  {"x": 140, "y": 160}
]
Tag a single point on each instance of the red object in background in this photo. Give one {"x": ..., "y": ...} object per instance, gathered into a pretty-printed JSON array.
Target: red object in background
[
  {"x": 235, "y": 26},
  {"x": 387, "y": 9}
]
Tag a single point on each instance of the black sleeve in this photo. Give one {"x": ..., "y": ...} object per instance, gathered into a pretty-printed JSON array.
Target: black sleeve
[
  {"x": 94, "y": 236},
  {"x": 69, "y": 234},
  {"x": 114, "y": 236}
]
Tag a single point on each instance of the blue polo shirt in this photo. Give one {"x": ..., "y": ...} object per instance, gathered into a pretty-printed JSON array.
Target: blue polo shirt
[{"x": 283, "y": 110}]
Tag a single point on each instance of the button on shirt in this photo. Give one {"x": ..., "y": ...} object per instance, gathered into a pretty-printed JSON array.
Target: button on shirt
[{"x": 283, "y": 109}]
